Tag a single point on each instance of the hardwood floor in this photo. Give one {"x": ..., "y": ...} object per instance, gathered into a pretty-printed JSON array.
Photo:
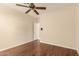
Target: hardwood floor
[
  {"x": 27, "y": 49},
  {"x": 52, "y": 50},
  {"x": 36, "y": 48}
]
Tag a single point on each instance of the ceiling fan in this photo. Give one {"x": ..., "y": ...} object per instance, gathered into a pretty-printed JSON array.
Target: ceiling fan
[{"x": 31, "y": 6}]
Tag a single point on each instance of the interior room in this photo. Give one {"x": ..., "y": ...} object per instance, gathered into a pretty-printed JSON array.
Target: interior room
[{"x": 39, "y": 29}]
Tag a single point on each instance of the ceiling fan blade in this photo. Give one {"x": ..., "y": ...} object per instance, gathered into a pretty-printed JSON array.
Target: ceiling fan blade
[
  {"x": 24, "y": 3},
  {"x": 41, "y": 8},
  {"x": 28, "y": 11},
  {"x": 36, "y": 12},
  {"x": 21, "y": 5}
]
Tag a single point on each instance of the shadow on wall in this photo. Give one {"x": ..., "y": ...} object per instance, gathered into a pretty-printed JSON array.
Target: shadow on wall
[{"x": 16, "y": 28}]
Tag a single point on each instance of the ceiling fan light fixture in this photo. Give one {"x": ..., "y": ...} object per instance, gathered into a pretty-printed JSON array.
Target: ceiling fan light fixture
[{"x": 32, "y": 6}]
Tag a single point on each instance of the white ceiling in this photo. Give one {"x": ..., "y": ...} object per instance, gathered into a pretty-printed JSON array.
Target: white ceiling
[{"x": 49, "y": 7}]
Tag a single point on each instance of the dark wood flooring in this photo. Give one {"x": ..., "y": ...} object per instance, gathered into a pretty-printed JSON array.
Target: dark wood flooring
[{"x": 36, "y": 48}]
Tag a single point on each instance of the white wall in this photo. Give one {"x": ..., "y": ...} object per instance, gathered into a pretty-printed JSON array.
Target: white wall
[
  {"x": 59, "y": 27},
  {"x": 16, "y": 28},
  {"x": 77, "y": 27}
]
